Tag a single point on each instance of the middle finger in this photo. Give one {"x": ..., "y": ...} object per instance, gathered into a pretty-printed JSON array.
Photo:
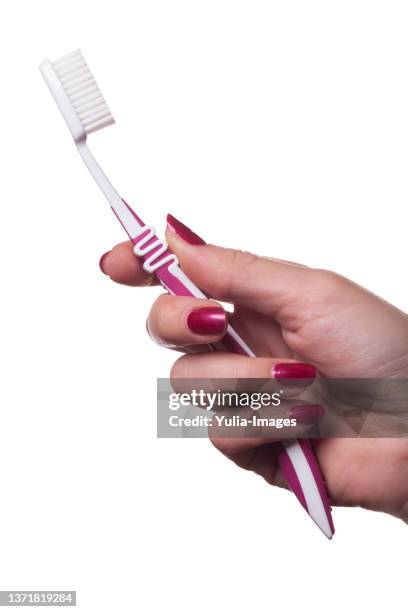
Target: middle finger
[{"x": 177, "y": 322}]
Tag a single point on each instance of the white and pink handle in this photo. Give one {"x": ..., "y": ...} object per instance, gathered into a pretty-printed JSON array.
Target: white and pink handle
[{"x": 296, "y": 458}]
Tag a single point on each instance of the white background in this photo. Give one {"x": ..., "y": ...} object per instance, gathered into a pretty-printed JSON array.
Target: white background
[{"x": 278, "y": 127}]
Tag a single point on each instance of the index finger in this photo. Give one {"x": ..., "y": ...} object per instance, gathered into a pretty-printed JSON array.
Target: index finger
[{"x": 121, "y": 265}]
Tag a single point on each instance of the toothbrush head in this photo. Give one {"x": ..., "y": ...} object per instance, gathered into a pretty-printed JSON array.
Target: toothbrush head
[{"x": 77, "y": 95}]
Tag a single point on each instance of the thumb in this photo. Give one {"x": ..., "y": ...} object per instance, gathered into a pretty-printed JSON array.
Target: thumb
[
  {"x": 332, "y": 322},
  {"x": 269, "y": 286}
]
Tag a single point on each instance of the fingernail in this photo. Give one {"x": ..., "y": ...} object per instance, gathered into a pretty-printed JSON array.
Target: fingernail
[
  {"x": 102, "y": 260},
  {"x": 294, "y": 370},
  {"x": 207, "y": 321},
  {"x": 307, "y": 414},
  {"x": 182, "y": 231}
]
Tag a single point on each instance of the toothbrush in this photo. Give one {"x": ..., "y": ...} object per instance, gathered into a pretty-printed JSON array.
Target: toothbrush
[{"x": 85, "y": 111}]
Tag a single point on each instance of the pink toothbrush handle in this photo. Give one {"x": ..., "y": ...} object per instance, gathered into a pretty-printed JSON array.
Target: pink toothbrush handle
[{"x": 296, "y": 458}]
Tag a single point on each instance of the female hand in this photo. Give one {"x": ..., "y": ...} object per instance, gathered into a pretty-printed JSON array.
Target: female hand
[{"x": 287, "y": 313}]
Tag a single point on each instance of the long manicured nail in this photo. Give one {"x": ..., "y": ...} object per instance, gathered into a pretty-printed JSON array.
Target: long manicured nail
[
  {"x": 207, "y": 321},
  {"x": 182, "y": 231},
  {"x": 102, "y": 260},
  {"x": 294, "y": 370},
  {"x": 307, "y": 414}
]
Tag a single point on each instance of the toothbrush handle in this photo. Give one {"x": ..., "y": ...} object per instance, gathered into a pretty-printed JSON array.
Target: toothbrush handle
[{"x": 296, "y": 458}]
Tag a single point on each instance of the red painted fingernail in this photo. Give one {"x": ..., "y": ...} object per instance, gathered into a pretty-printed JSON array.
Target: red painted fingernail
[
  {"x": 101, "y": 261},
  {"x": 307, "y": 414},
  {"x": 182, "y": 231},
  {"x": 207, "y": 321},
  {"x": 294, "y": 370}
]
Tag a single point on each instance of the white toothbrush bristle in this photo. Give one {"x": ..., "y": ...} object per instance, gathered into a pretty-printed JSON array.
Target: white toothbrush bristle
[{"x": 83, "y": 92}]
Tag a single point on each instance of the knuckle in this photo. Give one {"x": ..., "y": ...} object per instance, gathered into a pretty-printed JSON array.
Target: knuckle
[
  {"x": 328, "y": 280},
  {"x": 159, "y": 314},
  {"x": 161, "y": 302},
  {"x": 238, "y": 265},
  {"x": 243, "y": 259},
  {"x": 180, "y": 368}
]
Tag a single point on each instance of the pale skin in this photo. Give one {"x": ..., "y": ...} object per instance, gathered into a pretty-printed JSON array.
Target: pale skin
[{"x": 287, "y": 312}]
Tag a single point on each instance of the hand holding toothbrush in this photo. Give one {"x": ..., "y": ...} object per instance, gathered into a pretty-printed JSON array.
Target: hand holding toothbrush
[{"x": 287, "y": 313}]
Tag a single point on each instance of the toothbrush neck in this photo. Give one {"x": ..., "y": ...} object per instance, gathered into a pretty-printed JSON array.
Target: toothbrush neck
[
  {"x": 100, "y": 177},
  {"x": 131, "y": 223}
]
